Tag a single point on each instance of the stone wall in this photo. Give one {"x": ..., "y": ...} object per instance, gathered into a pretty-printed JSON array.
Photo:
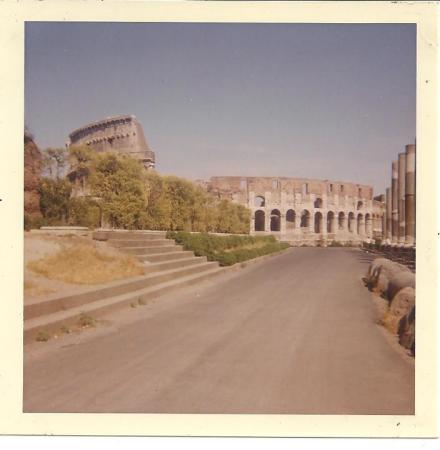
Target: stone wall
[{"x": 302, "y": 210}]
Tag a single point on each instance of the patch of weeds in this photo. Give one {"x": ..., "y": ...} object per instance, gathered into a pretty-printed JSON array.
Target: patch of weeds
[
  {"x": 133, "y": 304},
  {"x": 65, "y": 329},
  {"x": 85, "y": 321},
  {"x": 42, "y": 336},
  {"x": 142, "y": 301}
]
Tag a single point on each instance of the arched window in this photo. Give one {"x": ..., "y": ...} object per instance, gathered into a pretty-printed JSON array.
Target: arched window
[
  {"x": 351, "y": 221},
  {"x": 330, "y": 222},
  {"x": 305, "y": 219},
  {"x": 275, "y": 220},
  {"x": 259, "y": 220},
  {"x": 290, "y": 219},
  {"x": 318, "y": 203},
  {"x": 259, "y": 201},
  {"x": 360, "y": 224},
  {"x": 318, "y": 223},
  {"x": 341, "y": 221}
]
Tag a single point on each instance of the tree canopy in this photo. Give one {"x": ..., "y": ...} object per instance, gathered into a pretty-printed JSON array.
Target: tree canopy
[{"x": 131, "y": 197}]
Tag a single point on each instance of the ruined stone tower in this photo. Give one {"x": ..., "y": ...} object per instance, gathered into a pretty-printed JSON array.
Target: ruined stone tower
[{"x": 123, "y": 134}]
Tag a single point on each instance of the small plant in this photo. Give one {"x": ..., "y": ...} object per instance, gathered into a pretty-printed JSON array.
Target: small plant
[
  {"x": 42, "y": 336},
  {"x": 65, "y": 329},
  {"x": 133, "y": 304},
  {"x": 142, "y": 301},
  {"x": 86, "y": 321}
]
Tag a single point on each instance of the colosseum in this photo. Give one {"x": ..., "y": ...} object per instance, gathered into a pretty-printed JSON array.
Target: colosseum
[
  {"x": 305, "y": 211},
  {"x": 123, "y": 134}
]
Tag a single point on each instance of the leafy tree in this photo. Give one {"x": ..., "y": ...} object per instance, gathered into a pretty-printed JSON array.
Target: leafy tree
[
  {"x": 119, "y": 183},
  {"x": 55, "y": 199},
  {"x": 55, "y": 162}
]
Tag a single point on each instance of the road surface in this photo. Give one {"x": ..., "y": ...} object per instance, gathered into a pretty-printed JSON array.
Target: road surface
[{"x": 294, "y": 334}]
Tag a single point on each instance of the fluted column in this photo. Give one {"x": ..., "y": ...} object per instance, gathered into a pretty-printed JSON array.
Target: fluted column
[
  {"x": 388, "y": 215},
  {"x": 401, "y": 197},
  {"x": 410, "y": 195},
  {"x": 394, "y": 202}
]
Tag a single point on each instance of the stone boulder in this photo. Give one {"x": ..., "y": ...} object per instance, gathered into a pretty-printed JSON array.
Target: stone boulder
[
  {"x": 407, "y": 330},
  {"x": 382, "y": 272},
  {"x": 374, "y": 270},
  {"x": 400, "y": 281},
  {"x": 400, "y": 306}
]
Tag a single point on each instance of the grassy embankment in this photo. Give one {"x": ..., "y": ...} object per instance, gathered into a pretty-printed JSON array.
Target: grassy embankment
[
  {"x": 85, "y": 264},
  {"x": 227, "y": 250}
]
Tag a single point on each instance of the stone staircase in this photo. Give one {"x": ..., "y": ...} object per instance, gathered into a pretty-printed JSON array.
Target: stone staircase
[{"x": 169, "y": 268}]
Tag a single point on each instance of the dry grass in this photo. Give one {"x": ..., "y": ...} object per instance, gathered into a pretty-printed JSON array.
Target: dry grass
[
  {"x": 32, "y": 288},
  {"x": 85, "y": 264}
]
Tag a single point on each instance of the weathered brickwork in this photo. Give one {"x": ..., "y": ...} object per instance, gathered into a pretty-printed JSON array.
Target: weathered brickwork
[
  {"x": 303, "y": 210},
  {"x": 122, "y": 134}
]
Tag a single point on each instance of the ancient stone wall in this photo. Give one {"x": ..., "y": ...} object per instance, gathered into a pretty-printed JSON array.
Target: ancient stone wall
[
  {"x": 123, "y": 134},
  {"x": 302, "y": 210}
]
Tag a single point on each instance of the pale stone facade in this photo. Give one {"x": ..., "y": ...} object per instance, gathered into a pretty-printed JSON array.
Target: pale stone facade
[
  {"x": 302, "y": 211},
  {"x": 123, "y": 134}
]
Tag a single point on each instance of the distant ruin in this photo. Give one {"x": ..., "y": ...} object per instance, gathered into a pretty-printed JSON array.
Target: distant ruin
[
  {"x": 123, "y": 134},
  {"x": 305, "y": 211}
]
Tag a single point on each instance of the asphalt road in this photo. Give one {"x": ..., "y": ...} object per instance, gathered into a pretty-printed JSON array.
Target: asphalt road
[{"x": 293, "y": 334}]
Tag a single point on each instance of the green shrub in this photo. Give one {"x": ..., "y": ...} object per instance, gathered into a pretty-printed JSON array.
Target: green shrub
[
  {"x": 54, "y": 200},
  {"x": 227, "y": 250}
]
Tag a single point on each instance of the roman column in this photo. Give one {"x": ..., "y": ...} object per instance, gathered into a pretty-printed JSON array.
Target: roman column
[
  {"x": 388, "y": 216},
  {"x": 401, "y": 197},
  {"x": 410, "y": 195},
  {"x": 394, "y": 202}
]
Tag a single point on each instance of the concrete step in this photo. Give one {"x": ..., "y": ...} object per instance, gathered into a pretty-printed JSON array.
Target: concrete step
[
  {"x": 167, "y": 256},
  {"x": 52, "y": 323},
  {"x": 175, "y": 263},
  {"x": 57, "y": 303},
  {"x": 104, "y": 235},
  {"x": 122, "y": 243},
  {"x": 152, "y": 250}
]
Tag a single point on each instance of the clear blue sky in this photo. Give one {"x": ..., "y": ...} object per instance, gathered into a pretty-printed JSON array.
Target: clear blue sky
[{"x": 307, "y": 100}]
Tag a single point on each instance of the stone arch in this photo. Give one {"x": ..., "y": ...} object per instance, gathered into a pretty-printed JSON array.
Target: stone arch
[
  {"x": 259, "y": 201},
  {"x": 305, "y": 219},
  {"x": 318, "y": 203},
  {"x": 260, "y": 220},
  {"x": 331, "y": 222},
  {"x": 341, "y": 221},
  {"x": 368, "y": 225},
  {"x": 275, "y": 220},
  {"x": 318, "y": 223},
  {"x": 360, "y": 224},
  {"x": 290, "y": 219},
  {"x": 351, "y": 222}
]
